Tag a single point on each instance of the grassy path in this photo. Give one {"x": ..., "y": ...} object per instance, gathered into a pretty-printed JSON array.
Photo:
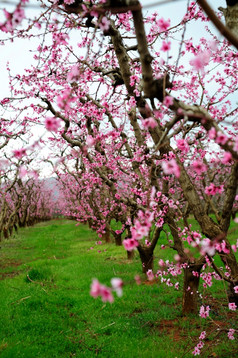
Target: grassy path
[{"x": 46, "y": 310}]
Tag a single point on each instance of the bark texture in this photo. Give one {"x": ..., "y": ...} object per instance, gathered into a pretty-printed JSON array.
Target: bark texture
[{"x": 190, "y": 289}]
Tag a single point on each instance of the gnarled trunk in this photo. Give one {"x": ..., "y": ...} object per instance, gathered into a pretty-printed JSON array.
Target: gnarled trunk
[{"x": 190, "y": 289}]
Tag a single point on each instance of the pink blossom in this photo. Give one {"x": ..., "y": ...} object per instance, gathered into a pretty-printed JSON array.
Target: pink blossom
[
  {"x": 204, "y": 312},
  {"x": 150, "y": 275},
  {"x": 177, "y": 257},
  {"x": 212, "y": 133},
  {"x": 106, "y": 294},
  {"x": 220, "y": 189},
  {"x": 137, "y": 279},
  {"x": 149, "y": 123},
  {"x": 104, "y": 24},
  {"x": 168, "y": 101},
  {"x": 203, "y": 335},
  {"x": 207, "y": 247},
  {"x": 130, "y": 244},
  {"x": 147, "y": 217},
  {"x": 163, "y": 24},
  {"x": 230, "y": 333},
  {"x": 211, "y": 189},
  {"x": 171, "y": 167},
  {"x": 236, "y": 144},
  {"x": 69, "y": 2},
  {"x": 236, "y": 289},
  {"x": 97, "y": 289},
  {"x": 134, "y": 79},
  {"x": 117, "y": 285},
  {"x": 65, "y": 99},
  {"x": 198, "y": 166},
  {"x": 18, "y": 16},
  {"x": 142, "y": 226},
  {"x": 166, "y": 46},
  {"x": 138, "y": 231},
  {"x": 212, "y": 45},
  {"x": 19, "y": 153},
  {"x": 90, "y": 141},
  {"x": 222, "y": 247},
  {"x": 234, "y": 248},
  {"x": 221, "y": 138},
  {"x": 160, "y": 222},
  {"x": 182, "y": 145},
  {"x": 52, "y": 124},
  {"x": 200, "y": 345},
  {"x": 196, "y": 351},
  {"x": 22, "y": 172},
  {"x": 232, "y": 306},
  {"x": 5, "y": 101},
  {"x": 227, "y": 158},
  {"x": 12, "y": 19},
  {"x": 200, "y": 60},
  {"x": 73, "y": 75},
  {"x": 161, "y": 263}
]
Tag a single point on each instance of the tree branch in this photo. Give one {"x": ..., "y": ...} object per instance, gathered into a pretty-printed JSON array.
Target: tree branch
[{"x": 217, "y": 22}]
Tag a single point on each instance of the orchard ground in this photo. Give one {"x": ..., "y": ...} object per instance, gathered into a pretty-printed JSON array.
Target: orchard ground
[{"x": 46, "y": 310}]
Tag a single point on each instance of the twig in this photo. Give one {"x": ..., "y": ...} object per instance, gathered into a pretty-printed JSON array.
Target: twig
[
  {"x": 20, "y": 300},
  {"x": 111, "y": 324}
]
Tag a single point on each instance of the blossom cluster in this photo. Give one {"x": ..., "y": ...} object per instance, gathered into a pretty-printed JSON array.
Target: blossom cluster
[
  {"x": 99, "y": 290},
  {"x": 140, "y": 229},
  {"x": 13, "y": 19}
]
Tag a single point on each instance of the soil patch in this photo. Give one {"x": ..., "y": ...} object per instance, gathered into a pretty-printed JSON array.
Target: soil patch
[
  {"x": 7, "y": 264},
  {"x": 10, "y": 263}
]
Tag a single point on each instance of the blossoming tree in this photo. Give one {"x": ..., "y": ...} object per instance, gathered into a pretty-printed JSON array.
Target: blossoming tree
[{"x": 153, "y": 122}]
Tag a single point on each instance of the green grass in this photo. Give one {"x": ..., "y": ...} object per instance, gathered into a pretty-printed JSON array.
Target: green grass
[{"x": 46, "y": 310}]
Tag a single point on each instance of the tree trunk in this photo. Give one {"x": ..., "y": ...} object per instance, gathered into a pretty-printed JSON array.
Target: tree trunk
[
  {"x": 190, "y": 289},
  {"x": 232, "y": 296},
  {"x": 10, "y": 230},
  {"x": 231, "y": 15},
  {"x": 118, "y": 239},
  {"x": 130, "y": 255},
  {"x": 90, "y": 223},
  {"x": 5, "y": 233},
  {"x": 147, "y": 258},
  {"x": 106, "y": 236},
  {"x": 16, "y": 228}
]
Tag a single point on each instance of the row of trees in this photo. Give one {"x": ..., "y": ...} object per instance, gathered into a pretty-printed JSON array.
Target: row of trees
[
  {"x": 144, "y": 127},
  {"x": 24, "y": 200}
]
